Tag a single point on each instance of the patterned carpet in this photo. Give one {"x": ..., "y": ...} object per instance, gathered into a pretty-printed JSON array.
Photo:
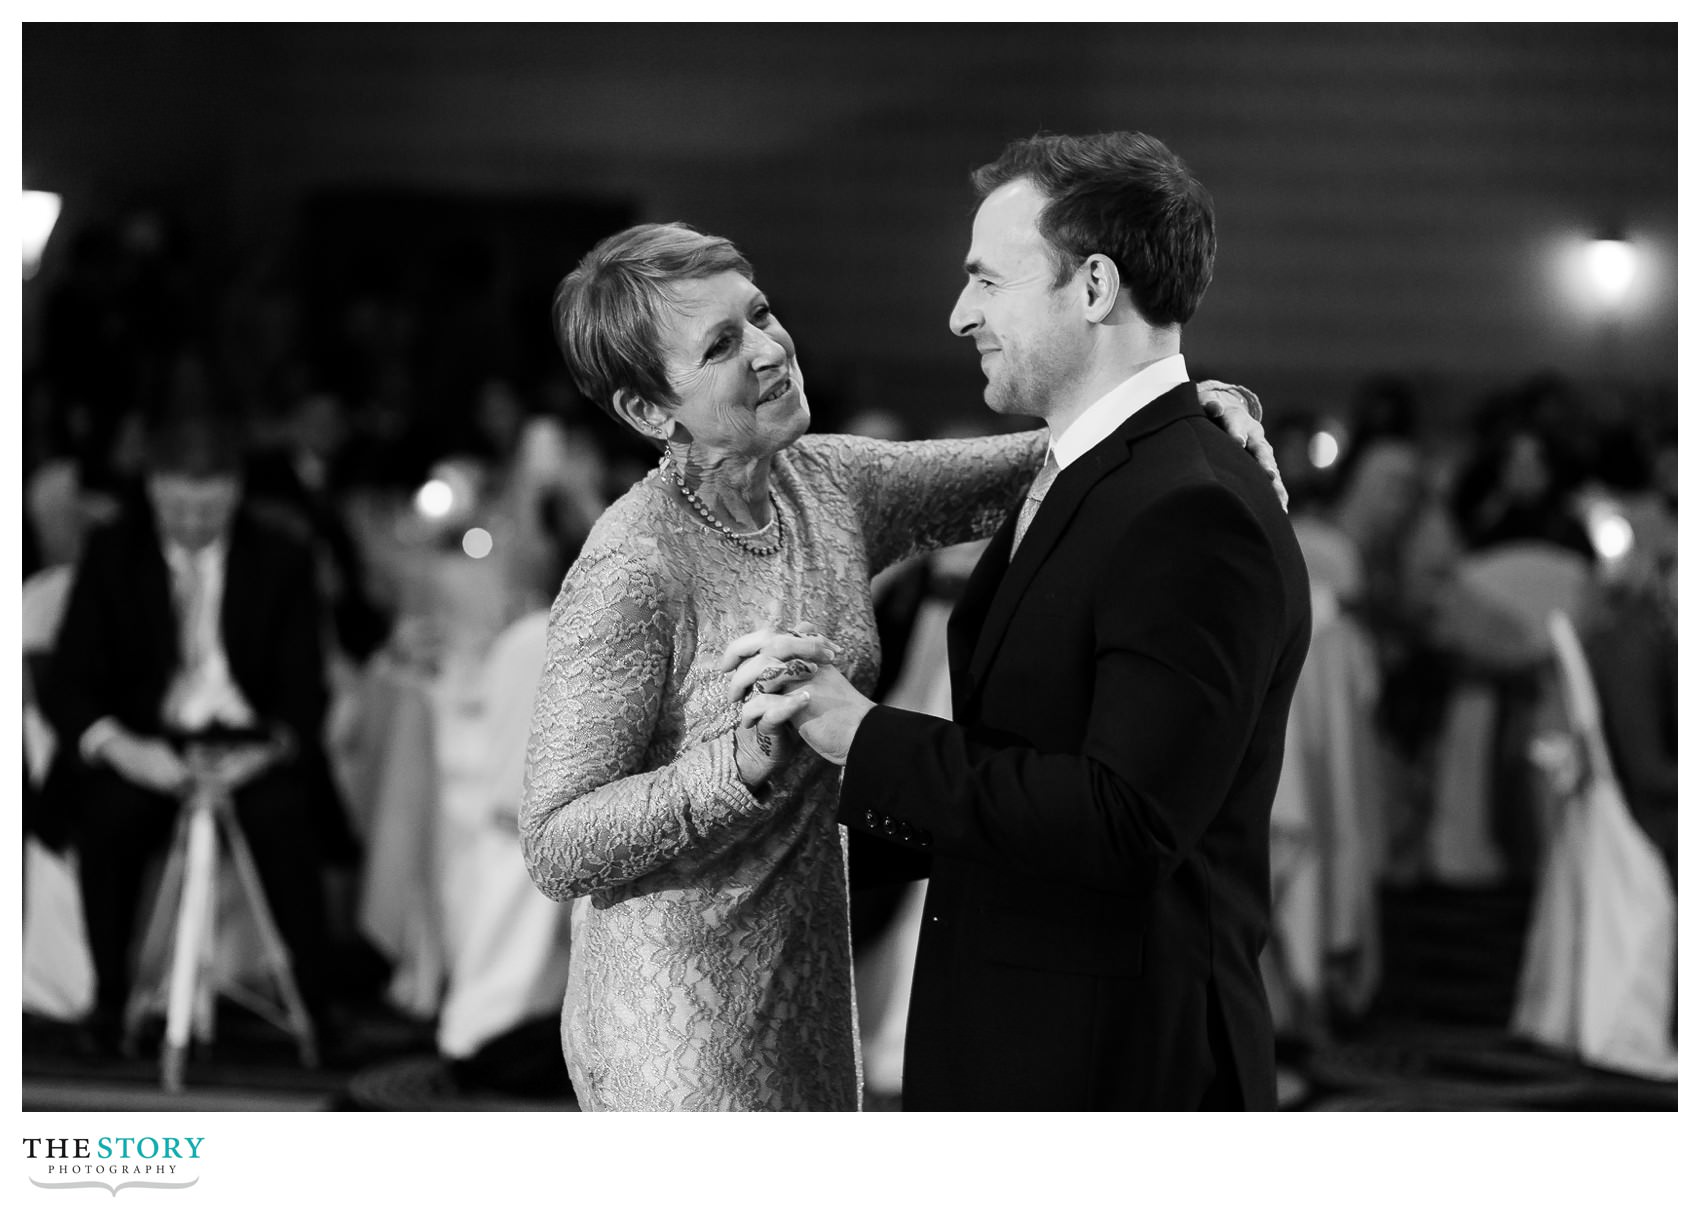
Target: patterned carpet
[{"x": 1433, "y": 1041}]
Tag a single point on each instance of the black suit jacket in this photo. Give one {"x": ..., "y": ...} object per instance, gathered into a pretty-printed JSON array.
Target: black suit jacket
[
  {"x": 1098, "y": 812},
  {"x": 118, "y": 645},
  {"x": 275, "y": 488}
]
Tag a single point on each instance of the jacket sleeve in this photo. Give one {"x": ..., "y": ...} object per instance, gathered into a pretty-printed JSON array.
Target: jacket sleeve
[
  {"x": 297, "y": 645},
  {"x": 76, "y": 692},
  {"x": 1188, "y": 626}
]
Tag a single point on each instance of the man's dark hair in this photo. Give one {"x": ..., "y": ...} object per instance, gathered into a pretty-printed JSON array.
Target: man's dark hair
[
  {"x": 1124, "y": 195},
  {"x": 200, "y": 443}
]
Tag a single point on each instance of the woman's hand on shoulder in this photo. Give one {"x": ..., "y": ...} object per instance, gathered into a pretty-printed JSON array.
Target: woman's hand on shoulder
[{"x": 1238, "y": 411}]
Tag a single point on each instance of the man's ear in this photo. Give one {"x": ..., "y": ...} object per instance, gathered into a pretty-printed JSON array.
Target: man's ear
[
  {"x": 644, "y": 416},
  {"x": 1103, "y": 287}
]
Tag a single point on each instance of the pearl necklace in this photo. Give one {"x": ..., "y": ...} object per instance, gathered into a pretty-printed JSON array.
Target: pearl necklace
[{"x": 727, "y": 532}]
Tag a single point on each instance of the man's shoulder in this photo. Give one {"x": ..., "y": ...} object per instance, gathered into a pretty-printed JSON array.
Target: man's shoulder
[
  {"x": 1196, "y": 454},
  {"x": 1190, "y": 482},
  {"x": 127, "y": 536},
  {"x": 280, "y": 532}
]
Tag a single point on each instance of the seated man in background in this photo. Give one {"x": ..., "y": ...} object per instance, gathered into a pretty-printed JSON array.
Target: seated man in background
[{"x": 188, "y": 618}]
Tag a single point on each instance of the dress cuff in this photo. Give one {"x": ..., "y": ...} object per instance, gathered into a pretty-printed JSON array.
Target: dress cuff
[{"x": 717, "y": 794}]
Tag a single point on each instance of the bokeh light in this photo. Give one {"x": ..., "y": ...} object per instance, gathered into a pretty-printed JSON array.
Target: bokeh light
[
  {"x": 1611, "y": 267},
  {"x": 477, "y": 543},
  {"x": 41, "y": 212},
  {"x": 435, "y": 499},
  {"x": 1611, "y": 534}
]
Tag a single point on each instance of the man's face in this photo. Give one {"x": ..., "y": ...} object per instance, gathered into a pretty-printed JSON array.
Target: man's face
[
  {"x": 1029, "y": 338},
  {"x": 193, "y": 510}
]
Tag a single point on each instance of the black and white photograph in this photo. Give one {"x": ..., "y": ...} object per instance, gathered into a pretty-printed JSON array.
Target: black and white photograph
[{"x": 948, "y": 565}]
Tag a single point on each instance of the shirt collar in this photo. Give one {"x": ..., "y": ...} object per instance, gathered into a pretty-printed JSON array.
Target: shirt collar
[
  {"x": 1105, "y": 415},
  {"x": 178, "y": 557}
]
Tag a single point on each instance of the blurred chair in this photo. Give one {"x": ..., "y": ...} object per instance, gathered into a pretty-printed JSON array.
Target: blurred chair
[
  {"x": 506, "y": 943},
  {"x": 388, "y": 761},
  {"x": 1598, "y": 977},
  {"x": 414, "y": 756},
  {"x": 1494, "y": 617},
  {"x": 1327, "y": 839},
  {"x": 58, "y": 974}
]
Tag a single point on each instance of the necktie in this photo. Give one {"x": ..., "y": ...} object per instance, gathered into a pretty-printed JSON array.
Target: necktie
[
  {"x": 1035, "y": 495},
  {"x": 193, "y": 612}
]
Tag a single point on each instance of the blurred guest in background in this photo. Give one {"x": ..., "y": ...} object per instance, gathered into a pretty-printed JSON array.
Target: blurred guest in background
[
  {"x": 298, "y": 478},
  {"x": 188, "y": 618},
  {"x": 507, "y": 944},
  {"x": 710, "y": 960},
  {"x": 544, "y": 484},
  {"x": 1516, "y": 488}
]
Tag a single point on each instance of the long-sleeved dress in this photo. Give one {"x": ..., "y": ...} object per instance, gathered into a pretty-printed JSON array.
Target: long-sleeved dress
[{"x": 710, "y": 960}]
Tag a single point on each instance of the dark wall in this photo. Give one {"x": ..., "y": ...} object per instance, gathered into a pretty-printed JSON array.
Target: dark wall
[{"x": 1406, "y": 198}]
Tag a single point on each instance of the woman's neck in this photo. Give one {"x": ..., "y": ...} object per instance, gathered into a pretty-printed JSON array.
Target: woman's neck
[{"x": 735, "y": 489}]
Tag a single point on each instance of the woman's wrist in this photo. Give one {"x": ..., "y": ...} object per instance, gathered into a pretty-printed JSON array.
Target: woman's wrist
[{"x": 753, "y": 773}]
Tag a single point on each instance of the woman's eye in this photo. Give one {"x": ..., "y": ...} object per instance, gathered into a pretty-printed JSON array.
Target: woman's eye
[{"x": 721, "y": 346}]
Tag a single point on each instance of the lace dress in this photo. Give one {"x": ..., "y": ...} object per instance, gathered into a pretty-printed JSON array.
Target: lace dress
[{"x": 710, "y": 959}]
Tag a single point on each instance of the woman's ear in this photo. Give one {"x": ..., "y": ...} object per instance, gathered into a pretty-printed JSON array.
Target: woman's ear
[{"x": 644, "y": 416}]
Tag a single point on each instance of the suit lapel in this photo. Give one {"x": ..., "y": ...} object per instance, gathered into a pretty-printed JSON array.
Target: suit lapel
[
  {"x": 1049, "y": 525},
  {"x": 244, "y": 591},
  {"x": 156, "y": 608},
  {"x": 969, "y": 615}
]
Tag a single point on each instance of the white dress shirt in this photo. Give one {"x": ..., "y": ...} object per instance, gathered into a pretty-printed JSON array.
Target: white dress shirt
[
  {"x": 202, "y": 692},
  {"x": 1106, "y": 414}
]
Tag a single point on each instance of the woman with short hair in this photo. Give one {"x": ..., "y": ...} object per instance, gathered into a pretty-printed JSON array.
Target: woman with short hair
[{"x": 710, "y": 960}]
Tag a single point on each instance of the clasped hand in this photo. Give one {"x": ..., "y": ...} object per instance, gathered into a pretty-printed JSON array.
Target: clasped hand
[
  {"x": 153, "y": 763},
  {"x": 789, "y": 687}
]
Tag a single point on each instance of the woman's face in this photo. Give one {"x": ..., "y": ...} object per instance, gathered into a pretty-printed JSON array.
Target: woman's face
[
  {"x": 1526, "y": 474},
  {"x": 733, "y": 369}
]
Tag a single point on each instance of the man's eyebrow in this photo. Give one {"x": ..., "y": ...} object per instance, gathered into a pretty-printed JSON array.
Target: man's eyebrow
[{"x": 974, "y": 267}]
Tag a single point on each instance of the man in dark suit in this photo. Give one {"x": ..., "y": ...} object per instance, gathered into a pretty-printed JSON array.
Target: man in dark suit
[
  {"x": 1122, "y": 662},
  {"x": 188, "y": 619},
  {"x": 296, "y": 481}
]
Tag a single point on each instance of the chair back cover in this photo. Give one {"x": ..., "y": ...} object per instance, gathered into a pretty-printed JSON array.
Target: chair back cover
[{"x": 1599, "y": 975}]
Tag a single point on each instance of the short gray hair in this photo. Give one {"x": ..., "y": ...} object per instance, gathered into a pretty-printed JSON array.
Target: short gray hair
[{"x": 607, "y": 311}]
